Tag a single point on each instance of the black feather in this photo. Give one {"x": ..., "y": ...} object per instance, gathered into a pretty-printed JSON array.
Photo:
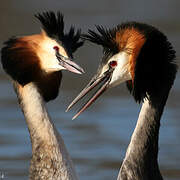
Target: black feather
[
  {"x": 155, "y": 68},
  {"x": 22, "y": 63},
  {"x": 104, "y": 37},
  {"x": 54, "y": 27}
]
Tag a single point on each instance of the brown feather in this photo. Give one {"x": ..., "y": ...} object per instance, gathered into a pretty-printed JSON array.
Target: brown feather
[
  {"x": 21, "y": 61},
  {"x": 130, "y": 40}
]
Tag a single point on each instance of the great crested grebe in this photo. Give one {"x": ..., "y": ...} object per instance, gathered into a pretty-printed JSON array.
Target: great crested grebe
[
  {"x": 34, "y": 63},
  {"x": 140, "y": 55}
]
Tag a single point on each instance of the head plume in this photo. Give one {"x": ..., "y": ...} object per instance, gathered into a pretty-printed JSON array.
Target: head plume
[
  {"x": 104, "y": 37},
  {"x": 154, "y": 67},
  {"x": 21, "y": 61},
  {"x": 54, "y": 27}
]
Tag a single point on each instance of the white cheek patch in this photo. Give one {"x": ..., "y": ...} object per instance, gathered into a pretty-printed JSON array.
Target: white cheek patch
[
  {"x": 121, "y": 72},
  {"x": 47, "y": 55}
]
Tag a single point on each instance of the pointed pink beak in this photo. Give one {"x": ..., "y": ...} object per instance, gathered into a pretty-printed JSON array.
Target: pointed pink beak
[
  {"x": 68, "y": 64},
  {"x": 103, "y": 81}
]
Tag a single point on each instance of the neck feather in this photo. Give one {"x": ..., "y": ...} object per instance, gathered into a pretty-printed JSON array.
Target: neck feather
[
  {"x": 141, "y": 157},
  {"x": 50, "y": 159}
]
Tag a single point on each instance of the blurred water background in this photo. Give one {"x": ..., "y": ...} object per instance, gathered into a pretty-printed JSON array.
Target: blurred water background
[{"x": 98, "y": 139}]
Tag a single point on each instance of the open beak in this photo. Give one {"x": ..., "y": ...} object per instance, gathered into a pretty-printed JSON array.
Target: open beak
[
  {"x": 103, "y": 81},
  {"x": 68, "y": 64}
]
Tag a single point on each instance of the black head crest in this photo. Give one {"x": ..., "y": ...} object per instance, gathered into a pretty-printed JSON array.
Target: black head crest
[
  {"x": 104, "y": 37},
  {"x": 54, "y": 27},
  {"x": 154, "y": 68}
]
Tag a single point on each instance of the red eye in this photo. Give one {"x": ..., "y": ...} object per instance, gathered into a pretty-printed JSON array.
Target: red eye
[
  {"x": 56, "y": 48},
  {"x": 113, "y": 64}
]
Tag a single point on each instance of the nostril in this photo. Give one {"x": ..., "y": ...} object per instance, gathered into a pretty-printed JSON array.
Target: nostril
[{"x": 56, "y": 48}]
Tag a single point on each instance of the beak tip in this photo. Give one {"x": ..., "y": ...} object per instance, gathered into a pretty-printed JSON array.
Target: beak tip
[
  {"x": 69, "y": 107},
  {"x": 76, "y": 115},
  {"x": 73, "y": 118},
  {"x": 81, "y": 71}
]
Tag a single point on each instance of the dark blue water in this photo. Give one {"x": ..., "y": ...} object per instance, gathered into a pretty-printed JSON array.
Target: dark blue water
[{"x": 98, "y": 139}]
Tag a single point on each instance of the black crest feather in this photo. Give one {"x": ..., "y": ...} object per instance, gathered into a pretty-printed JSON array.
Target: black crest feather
[
  {"x": 104, "y": 37},
  {"x": 21, "y": 62},
  {"x": 54, "y": 27},
  {"x": 155, "y": 67}
]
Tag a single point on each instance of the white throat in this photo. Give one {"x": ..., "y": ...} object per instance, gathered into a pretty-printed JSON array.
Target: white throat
[
  {"x": 33, "y": 106},
  {"x": 47, "y": 144}
]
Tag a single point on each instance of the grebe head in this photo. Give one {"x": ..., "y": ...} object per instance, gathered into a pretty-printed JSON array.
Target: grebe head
[
  {"x": 40, "y": 58},
  {"x": 135, "y": 53}
]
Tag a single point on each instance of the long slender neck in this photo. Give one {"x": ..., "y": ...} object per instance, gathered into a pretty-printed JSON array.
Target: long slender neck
[
  {"x": 50, "y": 159},
  {"x": 141, "y": 162}
]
